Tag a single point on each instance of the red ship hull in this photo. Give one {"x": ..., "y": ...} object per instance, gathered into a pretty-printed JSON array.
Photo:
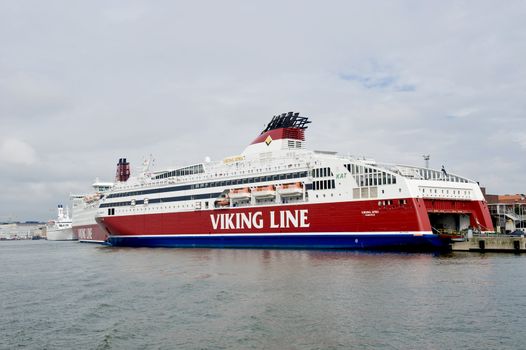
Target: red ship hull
[
  {"x": 91, "y": 233},
  {"x": 356, "y": 224}
]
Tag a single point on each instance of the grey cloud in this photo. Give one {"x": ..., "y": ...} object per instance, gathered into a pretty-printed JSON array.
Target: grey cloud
[{"x": 84, "y": 84}]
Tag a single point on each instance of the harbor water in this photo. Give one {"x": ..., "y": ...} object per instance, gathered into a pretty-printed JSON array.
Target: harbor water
[{"x": 64, "y": 295}]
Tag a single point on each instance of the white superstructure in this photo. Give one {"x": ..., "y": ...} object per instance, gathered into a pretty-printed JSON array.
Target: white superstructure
[
  {"x": 61, "y": 228},
  {"x": 84, "y": 209}
]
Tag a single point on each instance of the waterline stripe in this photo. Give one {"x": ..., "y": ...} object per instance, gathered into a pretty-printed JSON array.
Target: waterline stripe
[{"x": 392, "y": 233}]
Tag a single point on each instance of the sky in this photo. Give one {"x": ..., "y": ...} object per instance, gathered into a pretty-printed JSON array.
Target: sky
[{"x": 84, "y": 83}]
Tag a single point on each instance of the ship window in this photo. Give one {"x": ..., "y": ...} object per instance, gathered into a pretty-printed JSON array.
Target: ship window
[
  {"x": 365, "y": 192},
  {"x": 356, "y": 193}
]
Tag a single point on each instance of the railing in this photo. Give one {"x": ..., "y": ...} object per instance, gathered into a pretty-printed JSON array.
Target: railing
[{"x": 418, "y": 173}]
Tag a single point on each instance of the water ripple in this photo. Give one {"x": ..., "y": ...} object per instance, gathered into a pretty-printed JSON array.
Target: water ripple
[{"x": 70, "y": 295}]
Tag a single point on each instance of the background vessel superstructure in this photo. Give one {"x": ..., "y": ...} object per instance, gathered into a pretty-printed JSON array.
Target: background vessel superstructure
[
  {"x": 279, "y": 194},
  {"x": 60, "y": 229},
  {"x": 83, "y": 217}
]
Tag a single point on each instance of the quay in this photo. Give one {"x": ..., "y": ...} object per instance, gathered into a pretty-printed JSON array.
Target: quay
[{"x": 498, "y": 243}]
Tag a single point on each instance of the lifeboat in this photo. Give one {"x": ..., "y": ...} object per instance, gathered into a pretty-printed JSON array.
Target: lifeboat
[
  {"x": 264, "y": 192},
  {"x": 290, "y": 190},
  {"x": 91, "y": 198},
  {"x": 222, "y": 202},
  {"x": 240, "y": 193}
]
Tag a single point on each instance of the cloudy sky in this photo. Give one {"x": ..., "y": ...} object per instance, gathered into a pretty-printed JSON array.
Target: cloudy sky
[{"x": 83, "y": 83}]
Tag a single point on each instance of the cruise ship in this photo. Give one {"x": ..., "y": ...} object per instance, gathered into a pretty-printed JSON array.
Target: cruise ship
[
  {"x": 279, "y": 194},
  {"x": 84, "y": 209}
]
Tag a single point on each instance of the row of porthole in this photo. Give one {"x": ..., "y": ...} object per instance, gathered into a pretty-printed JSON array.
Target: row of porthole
[
  {"x": 184, "y": 206},
  {"x": 391, "y": 202},
  {"x": 332, "y": 195},
  {"x": 423, "y": 190}
]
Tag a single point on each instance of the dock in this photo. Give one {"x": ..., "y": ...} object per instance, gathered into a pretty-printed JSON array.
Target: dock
[{"x": 501, "y": 244}]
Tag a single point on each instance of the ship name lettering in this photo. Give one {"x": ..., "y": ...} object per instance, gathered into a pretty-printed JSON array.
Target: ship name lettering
[
  {"x": 85, "y": 233},
  {"x": 279, "y": 219},
  {"x": 237, "y": 221}
]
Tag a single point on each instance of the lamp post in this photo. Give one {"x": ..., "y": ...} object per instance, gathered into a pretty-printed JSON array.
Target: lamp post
[{"x": 426, "y": 158}]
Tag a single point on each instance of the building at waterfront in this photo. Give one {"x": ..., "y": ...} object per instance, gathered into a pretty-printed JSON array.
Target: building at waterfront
[
  {"x": 22, "y": 230},
  {"x": 508, "y": 211}
]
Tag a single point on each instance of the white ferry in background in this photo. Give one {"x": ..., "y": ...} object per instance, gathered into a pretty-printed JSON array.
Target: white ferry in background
[
  {"x": 60, "y": 229},
  {"x": 277, "y": 194},
  {"x": 84, "y": 209}
]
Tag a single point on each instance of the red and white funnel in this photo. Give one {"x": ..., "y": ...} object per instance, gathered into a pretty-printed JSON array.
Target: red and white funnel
[{"x": 285, "y": 131}]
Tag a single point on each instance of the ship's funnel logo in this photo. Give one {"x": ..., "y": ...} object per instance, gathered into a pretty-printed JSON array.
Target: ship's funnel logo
[{"x": 268, "y": 140}]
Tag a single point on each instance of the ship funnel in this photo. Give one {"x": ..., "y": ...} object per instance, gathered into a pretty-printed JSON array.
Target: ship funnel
[
  {"x": 284, "y": 131},
  {"x": 60, "y": 211},
  {"x": 123, "y": 170}
]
